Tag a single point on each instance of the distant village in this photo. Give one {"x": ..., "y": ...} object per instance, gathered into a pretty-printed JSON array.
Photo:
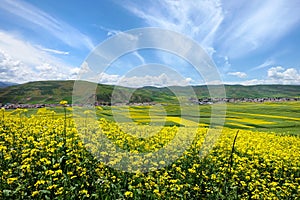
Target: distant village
[
  {"x": 240, "y": 100},
  {"x": 201, "y": 101}
]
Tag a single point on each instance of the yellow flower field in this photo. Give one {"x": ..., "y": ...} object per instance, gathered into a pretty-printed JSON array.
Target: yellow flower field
[{"x": 49, "y": 156}]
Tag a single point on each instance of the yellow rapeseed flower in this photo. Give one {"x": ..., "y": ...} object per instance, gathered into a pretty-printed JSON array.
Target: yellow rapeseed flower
[
  {"x": 85, "y": 192},
  {"x": 63, "y": 102},
  {"x": 51, "y": 187},
  {"x": 11, "y": 180},
  {"x": 34, "y": 193},
  {"x": 39, "y": 182},
  {"x": 59, "y": 191},
  {"x": 128, "y": 194}
]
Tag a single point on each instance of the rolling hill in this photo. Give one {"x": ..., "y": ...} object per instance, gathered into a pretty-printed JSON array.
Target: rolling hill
[{"x": 47, "y": 92}]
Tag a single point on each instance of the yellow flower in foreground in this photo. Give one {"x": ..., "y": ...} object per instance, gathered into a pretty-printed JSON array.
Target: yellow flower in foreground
[
  {"x": 156, "y": 191},
  {"x": 70, "y": 173},
  {"x": 51, "y": 187},
  {"x": 162, "y": 162},
  {"x": 11, "y": 180},
  {"x": 39, "y": 182},
  {"x": 86, "y": 112},
  {"x": 85, "y": 192},
  {"x": 59, "y": 191},
  {"x": 58, "y": 172},
  {"x": 31, "y": 147},
  {"x": 128, "y": 194},
  {"x": 34, "y": 193},
  {"x": 56, "y": 165},
  {"x": 63, "y": 102}
]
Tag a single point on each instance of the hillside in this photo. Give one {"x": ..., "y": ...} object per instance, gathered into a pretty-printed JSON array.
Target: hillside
[
  {"x": 46, "y": 92},
  {"x": 254, "y": 91}
]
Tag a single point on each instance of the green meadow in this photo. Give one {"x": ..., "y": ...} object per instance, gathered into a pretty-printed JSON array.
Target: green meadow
[{"x": 281, "y": 117}]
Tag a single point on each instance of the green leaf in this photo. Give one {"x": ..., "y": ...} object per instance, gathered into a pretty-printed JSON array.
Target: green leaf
[
  {"x": 45, "y": 191},
  {"x": 7, "y": 192}
]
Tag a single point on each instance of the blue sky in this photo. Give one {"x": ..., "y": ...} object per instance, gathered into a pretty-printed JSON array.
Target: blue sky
[{"x": 250, "y": 42}]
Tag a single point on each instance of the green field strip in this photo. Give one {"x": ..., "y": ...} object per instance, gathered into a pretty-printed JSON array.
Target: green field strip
[
  {"x": 182, "y": 121},
  {"x": 264, "y": 115},
  {"x": 250, "y": 121},
  {"x": 238, "y": 125}
]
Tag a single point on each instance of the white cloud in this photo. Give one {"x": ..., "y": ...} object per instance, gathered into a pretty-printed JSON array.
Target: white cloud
[
  {"x": 284, "y": 76},
  {"x": 12, "y": 70},
  {"x": 139, "y": 77},
  {"x": 161, "y": 80},
  {"x": 38, "y": 18},
  {"x": 238, "y": 74},
  {"x": 275, "y": 75},
  {"x": 22, "y": 61},
  {"x": 110, "y": 79}
]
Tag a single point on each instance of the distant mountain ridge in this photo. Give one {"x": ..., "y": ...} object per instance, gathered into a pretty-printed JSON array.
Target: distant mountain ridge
[
  {"x": 6, "y": 84},
  {"x": 47, "y": 92}
]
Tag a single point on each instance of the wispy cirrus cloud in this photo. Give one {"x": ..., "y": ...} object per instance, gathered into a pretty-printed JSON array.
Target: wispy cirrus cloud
[
  {"x": 265, "y": 64},
  {"x": 110, "y": 32},
  {"x": 24, "y": 51},
  {"x": 118, "y": 33},
  {"x": 36, "y": 18},
  {"x": 28, "y": 53},
  {"x": 197, "y": 19},
  {"x": 232, "y": 28},
  {"x": 252, "y": 25},
  {"x": 55, "y": 51}
]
